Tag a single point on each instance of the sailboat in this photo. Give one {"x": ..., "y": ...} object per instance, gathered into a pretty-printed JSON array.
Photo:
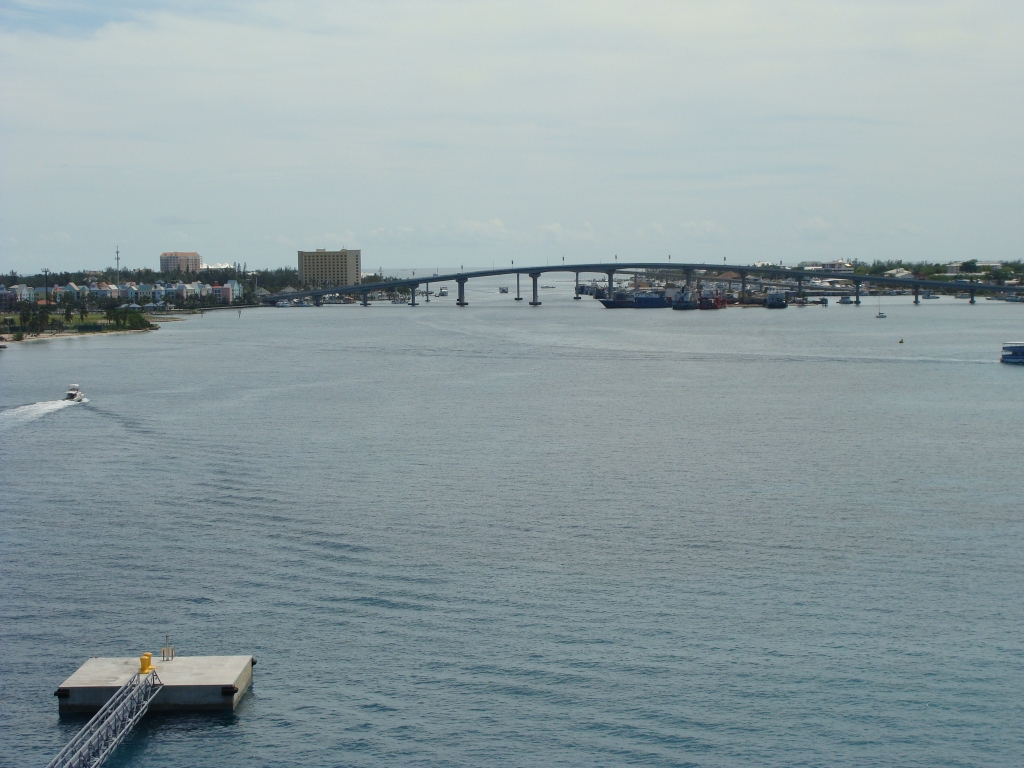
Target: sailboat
[{"x": 880, "y": 312}]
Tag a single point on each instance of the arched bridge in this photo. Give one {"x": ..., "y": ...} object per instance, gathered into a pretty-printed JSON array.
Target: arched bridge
[{"x": 461, "y": 278}]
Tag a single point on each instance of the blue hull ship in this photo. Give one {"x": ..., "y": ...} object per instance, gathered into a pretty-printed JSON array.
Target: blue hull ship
[{"x": 639, "y": 301}]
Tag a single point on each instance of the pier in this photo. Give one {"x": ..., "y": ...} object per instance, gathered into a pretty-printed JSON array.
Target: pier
[{"x": 121, "y": 690}]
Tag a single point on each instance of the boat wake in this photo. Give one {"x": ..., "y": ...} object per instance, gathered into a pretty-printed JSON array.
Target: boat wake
[{"x": 27, "y": 413}]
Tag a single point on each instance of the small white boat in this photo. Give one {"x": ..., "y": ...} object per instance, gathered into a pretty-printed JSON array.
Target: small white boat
[
  {"x": 74, "y": 394},
  {"x": 284, "y": 304},
  {"x": 443, "y": 291}
]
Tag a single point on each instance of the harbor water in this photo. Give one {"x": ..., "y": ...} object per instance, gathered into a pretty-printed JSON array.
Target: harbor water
[{"x": 514, "y": 535}]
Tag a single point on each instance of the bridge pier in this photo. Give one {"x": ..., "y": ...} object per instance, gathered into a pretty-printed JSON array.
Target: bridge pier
[
  {"x": 577, "y": 294},
  {"x": 856, "y": 287},
  {"x": 412, "y": 295},
  {"x": 689, "y": 278},
  {"x": 972, "y": 297},
  {"x": 426, "y": 292},
  {"x": 917, "y": 294},
  {"x": 535, "y": 302},
  {"x": 611, "y": 285},
  {"x": 743, "y": 287},
  {"x": 518, "y": 297},
  {"x": 366, "y": 298},
  {"x": 462, "y": 292}
]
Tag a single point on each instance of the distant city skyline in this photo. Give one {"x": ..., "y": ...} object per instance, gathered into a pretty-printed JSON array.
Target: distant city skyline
[{"x": 453, "y": 133}]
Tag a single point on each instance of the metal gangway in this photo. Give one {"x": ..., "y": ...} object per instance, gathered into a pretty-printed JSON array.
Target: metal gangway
[{"x": 108, "y": 727}]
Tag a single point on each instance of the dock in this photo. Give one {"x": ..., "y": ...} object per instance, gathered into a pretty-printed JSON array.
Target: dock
[{"x": 190, "y": 683}]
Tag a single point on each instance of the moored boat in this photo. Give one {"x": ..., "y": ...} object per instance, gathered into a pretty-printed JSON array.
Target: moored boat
[{"x": 685, "y": 299}]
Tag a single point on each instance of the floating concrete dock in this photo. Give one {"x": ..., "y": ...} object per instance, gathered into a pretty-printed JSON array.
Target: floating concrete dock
[{"x": 190, "y": 683}]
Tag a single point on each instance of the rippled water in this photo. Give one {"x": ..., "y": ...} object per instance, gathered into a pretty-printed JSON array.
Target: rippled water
[{"x": 510, "y": 535}]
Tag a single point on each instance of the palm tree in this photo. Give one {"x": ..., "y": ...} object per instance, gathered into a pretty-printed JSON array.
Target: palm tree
[{"x": 83, "y": 309}]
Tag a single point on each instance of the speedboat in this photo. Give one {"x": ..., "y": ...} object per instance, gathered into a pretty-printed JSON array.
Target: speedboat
[
  {"x": 74, "y": 394},
  {"x": 503, "y": 289},
  {"x": 1013, "y": 353},
  {"x": 443, "y": 291}
]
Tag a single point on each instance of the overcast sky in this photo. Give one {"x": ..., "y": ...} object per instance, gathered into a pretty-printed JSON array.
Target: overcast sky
[{"x": 447, "y": 133}]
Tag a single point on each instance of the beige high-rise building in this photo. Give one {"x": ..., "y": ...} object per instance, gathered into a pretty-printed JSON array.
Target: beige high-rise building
[
  {"x": 322, "y": 268},
  {"x": 180, "y": 261}
]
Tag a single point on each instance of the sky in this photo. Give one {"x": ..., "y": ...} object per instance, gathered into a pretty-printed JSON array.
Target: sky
[{"x": 451, "y": 133}]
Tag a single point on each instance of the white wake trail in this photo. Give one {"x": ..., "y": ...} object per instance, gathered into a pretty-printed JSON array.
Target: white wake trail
[{"x": 27, "y": 413}]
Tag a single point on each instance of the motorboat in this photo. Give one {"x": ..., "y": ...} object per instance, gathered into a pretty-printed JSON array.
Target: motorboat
[
  {"x": 503, "y": 289},
  {"x": 846, "y": 300},
  {"x": 443, "y": 291},
  {"x": 1013, "y": 353},
  {"x": 74, "y": 394},
  {"x": 284, "y": 303}
]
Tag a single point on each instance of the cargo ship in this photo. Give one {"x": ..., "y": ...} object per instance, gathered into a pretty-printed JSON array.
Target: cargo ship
[
  {"x": 711, "y": 300},
  {"x": 685, "y": 300}
]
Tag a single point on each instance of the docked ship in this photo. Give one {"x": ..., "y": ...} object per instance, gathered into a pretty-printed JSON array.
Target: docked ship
[
  {"x": 710, "y": 299},
  {"x": 776, "y": 300},
  {"x": 685, "y": 299},
  {"x": 636, "y": 301},
  {"x": 1013, "y": 353}
]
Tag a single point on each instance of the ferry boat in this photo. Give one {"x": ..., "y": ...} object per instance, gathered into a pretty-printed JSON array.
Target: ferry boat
[
  {"x": 650, "y": 301},
  {"x": 776, "y": 300},
  {"x": 75, "y": 394},
  {"x": 1013, "y": 353}
]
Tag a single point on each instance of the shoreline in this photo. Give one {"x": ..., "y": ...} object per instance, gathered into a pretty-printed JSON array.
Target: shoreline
[{"x": 76, "y": 335}]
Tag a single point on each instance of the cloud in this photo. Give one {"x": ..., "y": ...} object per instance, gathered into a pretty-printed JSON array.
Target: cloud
[
  {"x": 431, "y": 126},
  {"x": 814, "y": 229},
  {"x": 180, "y": 221},
  {"x": 707, "y": 231}
]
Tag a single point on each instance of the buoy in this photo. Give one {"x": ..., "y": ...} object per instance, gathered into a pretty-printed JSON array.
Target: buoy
[{"x": 901, "y": 341}]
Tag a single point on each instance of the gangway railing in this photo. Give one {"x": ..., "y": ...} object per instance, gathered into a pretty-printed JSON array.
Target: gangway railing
[{"x": 108, "y": 727}]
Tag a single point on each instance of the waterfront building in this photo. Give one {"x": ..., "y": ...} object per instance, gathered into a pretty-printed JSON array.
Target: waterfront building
[
  {"x": 323, "y": 268},
  {"x": 842, "y": 267},
  {"x": 180, "y": 261}
]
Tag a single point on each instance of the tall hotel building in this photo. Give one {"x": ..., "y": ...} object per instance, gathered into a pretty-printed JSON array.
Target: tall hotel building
[
  {"x": 180, "y": 261},
  {"x": 322, "y": 268}
]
